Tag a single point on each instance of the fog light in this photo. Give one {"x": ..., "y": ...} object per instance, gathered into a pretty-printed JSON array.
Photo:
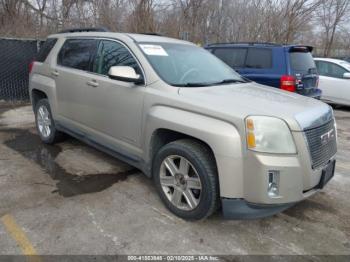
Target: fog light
[{"x": 273, "y": 184}]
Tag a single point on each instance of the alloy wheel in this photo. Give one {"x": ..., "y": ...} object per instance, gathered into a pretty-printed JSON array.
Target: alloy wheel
[
  {"x": 180, "y": 182},
  {"x": 44, "y": 121}
]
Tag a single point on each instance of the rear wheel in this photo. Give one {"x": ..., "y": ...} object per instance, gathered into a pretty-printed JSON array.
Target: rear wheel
[
  {"x": 186, "y": 178},
  {"x": 45, "y": 124}
]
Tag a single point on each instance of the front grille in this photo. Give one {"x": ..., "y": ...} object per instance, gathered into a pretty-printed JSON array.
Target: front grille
[{"x": 321, "y": 146}]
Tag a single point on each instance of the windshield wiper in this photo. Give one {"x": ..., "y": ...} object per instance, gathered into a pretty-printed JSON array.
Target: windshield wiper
[
  {"x": 229, "y": 81},
  {"x": 225, "y": 81},
  {"x": 193, "y": 84}
]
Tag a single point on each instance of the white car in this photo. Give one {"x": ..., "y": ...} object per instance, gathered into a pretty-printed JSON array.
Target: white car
[{"x": 334, "y": 80}]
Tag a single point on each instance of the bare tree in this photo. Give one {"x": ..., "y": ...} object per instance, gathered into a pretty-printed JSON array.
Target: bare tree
[
  {"x": 200, "y": 21},
  {"x": 110, "y": 13},
  {"x": 297, "y": 13},
  {"x": 142, "y": 18},
  {"x": 331, "y": 15}
]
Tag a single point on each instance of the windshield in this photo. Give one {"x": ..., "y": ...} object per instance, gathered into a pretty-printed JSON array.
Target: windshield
[
  {"x": 346, "y": 65},
  {"x": 302, "y": 62},
  {"x": 187, "y": 65}
]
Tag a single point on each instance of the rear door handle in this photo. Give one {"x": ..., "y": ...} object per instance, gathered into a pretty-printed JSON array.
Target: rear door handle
[
  {"x": 92, "y": 83},
  {"x": 55, "y": 73}
]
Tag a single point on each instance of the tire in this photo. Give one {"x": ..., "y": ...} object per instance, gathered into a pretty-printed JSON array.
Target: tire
[
  {"x": 194, "y": 203},
  {"x": 53, "y": 136}
]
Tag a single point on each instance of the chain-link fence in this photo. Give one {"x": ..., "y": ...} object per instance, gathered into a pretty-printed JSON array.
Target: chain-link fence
[{"x": 15, "y": 57}]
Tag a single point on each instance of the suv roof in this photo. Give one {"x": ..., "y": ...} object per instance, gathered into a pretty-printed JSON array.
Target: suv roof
[
  {"x": 246, "y": 43},
  {"x": 102, "y": 32},
  {"x": 257, "y": 44}
]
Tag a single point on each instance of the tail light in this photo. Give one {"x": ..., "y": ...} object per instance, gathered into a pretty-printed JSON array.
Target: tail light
[
  {"x": 31, "y": 65},
  {"x": 288, "y": 83}
]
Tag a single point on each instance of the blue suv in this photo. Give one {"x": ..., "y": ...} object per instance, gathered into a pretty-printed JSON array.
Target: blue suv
[{"x": 288, "y": 67}]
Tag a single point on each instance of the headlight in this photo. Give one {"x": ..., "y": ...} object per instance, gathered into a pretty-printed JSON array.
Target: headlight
[{"x": 269, "y": 135}]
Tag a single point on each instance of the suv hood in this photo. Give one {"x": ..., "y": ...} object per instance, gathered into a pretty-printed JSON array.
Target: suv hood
[{"x": 242, "y": 100}]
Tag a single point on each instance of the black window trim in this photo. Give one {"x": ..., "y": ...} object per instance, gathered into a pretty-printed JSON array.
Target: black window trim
[
  {"x": 330, "y": 62},
  {"x": 100, "y": 39}
]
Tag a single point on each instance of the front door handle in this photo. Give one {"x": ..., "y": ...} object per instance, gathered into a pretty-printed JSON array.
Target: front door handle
[
  {"x": 92, "y": 83},
  {"x": 55, "y": 73}
]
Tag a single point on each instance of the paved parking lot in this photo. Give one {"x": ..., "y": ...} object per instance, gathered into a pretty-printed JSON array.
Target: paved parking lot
[{"x": 72, "y": 199}]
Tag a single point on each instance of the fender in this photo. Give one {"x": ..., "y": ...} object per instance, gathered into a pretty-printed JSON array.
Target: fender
[{"x": 221, "y": 136}]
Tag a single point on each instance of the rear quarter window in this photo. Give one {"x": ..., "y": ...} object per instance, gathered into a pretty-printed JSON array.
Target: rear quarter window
[
  {"x": 259, "y": 58},
  {"x": 78, "y": 53},
  {"x": 46, "y": 49}
]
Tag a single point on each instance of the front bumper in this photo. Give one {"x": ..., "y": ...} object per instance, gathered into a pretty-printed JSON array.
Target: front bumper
[
  {"x": 240, "y": 209},
  {"x": 237, "y": 208},
  {"x": 297, "y": 179}
]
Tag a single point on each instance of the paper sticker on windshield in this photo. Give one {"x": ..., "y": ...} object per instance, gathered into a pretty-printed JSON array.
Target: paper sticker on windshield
[{"x": 154, "y": 50}]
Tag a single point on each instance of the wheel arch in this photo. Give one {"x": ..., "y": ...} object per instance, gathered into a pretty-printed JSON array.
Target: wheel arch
[
  {"x": 164, "y": 136},
  {"x": 165, "y": 124},
  {"x": 37, "y": 95}
]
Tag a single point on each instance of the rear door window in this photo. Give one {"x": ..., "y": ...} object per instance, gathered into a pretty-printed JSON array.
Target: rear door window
[
  {"x": 46, "y": 49},
  {"x": 234, "y": 57},
  {"x": 322, "y": 68},
  {"x": 259, "y": 58},
  {"x": 78, "y": 53}
]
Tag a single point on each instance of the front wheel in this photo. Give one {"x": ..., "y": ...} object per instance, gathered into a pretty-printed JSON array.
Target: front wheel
[{"x": 185, "y": 175}]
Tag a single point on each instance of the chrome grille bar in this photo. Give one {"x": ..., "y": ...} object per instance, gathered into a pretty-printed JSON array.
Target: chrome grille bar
[{"x": 322, "y": 145}]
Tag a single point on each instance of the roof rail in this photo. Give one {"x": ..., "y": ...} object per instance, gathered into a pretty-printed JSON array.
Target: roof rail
[
  {"x": 246, "y": 43},
  {"x": 87, "y": 29}
]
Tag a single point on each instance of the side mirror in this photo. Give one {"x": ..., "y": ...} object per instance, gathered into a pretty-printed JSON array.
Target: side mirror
[
  {"x": 125, "y": 73},
  {"x": 346, "y": 75}
]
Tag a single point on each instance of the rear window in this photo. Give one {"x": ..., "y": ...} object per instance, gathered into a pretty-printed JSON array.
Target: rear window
[
  {"x": 302, "y": 62},
  {"x": 259, "y": 58},
  {"x": 234, "y": 57},
  {"x": 46, "y": 49},
  {"x": 78, "y": 53}
]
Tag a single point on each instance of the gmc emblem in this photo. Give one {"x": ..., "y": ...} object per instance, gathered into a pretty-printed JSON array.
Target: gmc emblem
[{"x": 327, "y": 137}]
